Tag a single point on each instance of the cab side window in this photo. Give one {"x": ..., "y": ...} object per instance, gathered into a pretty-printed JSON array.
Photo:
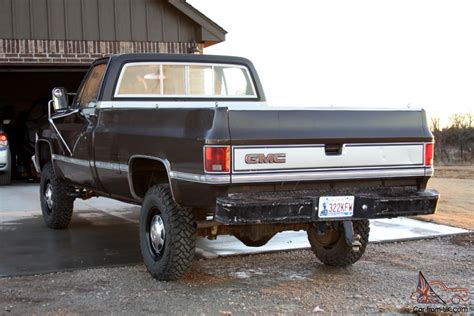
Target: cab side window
[{"x": 90, "y": 89}]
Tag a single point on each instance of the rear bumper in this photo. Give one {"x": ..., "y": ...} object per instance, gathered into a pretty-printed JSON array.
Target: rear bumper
[{"x": 301, "y": 206}]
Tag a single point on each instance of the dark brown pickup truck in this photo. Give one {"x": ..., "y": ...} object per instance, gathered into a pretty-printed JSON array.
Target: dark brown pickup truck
[{"x": 191, "y": 139}]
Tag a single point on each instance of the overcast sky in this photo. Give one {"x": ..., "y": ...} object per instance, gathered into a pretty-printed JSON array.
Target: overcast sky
[{"x": 369, "y": 53}]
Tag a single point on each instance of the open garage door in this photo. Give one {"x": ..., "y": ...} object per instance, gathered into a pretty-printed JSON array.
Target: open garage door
[{"x": 25, "y": 92}]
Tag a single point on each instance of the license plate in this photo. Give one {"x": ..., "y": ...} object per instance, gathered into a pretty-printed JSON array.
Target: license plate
[{"x": 335, "y": 206}]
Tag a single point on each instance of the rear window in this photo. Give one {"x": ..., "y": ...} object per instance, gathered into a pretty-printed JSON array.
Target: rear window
[{"x": 185, "y": 80}]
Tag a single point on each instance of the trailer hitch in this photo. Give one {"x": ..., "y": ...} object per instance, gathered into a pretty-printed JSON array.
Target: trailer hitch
[{"x": 352, "y": 240}]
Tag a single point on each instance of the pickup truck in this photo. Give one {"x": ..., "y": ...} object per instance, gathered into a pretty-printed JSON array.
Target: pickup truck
[{"x": 191, "y": 139}]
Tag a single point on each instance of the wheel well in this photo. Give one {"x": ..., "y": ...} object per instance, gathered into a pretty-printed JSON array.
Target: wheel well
[
  {"x": 145, "y": 173},
  {"x": 44, "y": 154}
]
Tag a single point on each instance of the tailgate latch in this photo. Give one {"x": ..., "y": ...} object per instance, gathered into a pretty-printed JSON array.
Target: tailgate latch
[{"x": 333, "y": 149}]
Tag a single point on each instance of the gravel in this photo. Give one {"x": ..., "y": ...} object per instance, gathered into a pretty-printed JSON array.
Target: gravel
[{"x": 291, "y": 282}]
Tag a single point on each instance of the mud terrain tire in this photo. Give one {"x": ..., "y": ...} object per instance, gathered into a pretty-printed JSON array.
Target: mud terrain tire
[
  {"x": 56, "y": 198},
  {"x": 167, "y": 234}
]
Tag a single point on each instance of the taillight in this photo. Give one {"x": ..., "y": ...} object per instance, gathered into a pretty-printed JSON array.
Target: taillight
[
  {"x": 429, "y": 154},
  {"x": 3, "y": 139},
  {"x": 217, "y": 158}
]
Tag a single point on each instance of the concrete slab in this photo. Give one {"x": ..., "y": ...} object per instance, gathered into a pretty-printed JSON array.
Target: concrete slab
[
  {"x": 104, "y": 232},
  {"x": 381, "y": 230},
  {"x": 93, "y": 239}
]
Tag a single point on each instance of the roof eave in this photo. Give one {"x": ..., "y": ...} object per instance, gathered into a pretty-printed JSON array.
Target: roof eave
[{"x": 211, "y": 32}]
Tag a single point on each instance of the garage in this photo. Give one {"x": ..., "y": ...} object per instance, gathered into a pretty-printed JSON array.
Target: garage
[{"x": 50, "y": 43}]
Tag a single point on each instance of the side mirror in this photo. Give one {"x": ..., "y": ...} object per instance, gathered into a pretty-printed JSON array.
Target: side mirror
[{"x": 60, "y": 98}]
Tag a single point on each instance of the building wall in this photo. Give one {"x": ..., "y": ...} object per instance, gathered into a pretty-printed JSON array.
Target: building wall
[
  {"x": 99, "y": 20},
  {"x": 80, "y": 52},
  {"x": 76, "y": 32}
]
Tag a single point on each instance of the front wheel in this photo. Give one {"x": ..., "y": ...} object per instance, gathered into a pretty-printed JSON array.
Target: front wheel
[
  {"x": 56, "y": 198},
  {"x": 330, "y": 246},
  {"x": 167, "y": 234}
]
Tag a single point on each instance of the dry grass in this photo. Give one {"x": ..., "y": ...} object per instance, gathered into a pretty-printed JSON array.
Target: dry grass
[{"x": 456, "y": 187}]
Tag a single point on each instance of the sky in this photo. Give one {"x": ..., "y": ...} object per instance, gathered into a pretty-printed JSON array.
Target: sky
[{"x": 368, "y": 53}]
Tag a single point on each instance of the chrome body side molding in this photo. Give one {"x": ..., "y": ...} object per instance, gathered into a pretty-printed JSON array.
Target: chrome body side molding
[
  {"x": 329, "y": 175},
  {"x": 201, "y": 178},
  {"x": 253, "y": 177}
]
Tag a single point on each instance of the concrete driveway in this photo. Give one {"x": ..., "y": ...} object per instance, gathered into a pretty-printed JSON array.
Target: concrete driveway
[{"x": 104, "y": 232}]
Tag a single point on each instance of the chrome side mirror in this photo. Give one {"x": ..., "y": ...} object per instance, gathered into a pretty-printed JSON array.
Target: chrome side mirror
[{"x": 60, "y": 98}]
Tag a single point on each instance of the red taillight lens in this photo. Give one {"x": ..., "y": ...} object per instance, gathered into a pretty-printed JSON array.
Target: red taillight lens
[
  {"x": 217, "y": 158},
  {"x": 3, "y": 139},
  {"x": 429, "y": 154}
]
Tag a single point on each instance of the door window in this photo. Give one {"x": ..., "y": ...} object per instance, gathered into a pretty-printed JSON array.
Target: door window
[{"x": 90, "y": 89}]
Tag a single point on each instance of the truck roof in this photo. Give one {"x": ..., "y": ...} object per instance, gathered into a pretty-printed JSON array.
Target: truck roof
[
  {"x": 141, "y": 57},
  {"x": 116, "y": 62}
]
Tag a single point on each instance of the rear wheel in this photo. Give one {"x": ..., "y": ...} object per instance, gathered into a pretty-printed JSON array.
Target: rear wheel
[
  {"x": 167, "y": 234},
  {"x": 56, "y": 198},
  {"x": 331, "y": 248}
]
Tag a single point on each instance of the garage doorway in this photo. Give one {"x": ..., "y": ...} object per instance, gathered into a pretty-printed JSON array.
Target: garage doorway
[{"x": 25, "y": 92}]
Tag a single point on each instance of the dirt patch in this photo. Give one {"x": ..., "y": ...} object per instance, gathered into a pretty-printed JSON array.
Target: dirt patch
[
  {"x": 456, "y": 187},
  {"x": 463, "y": 240},
  {"x": 201, "y": 278},
  {"x": 455, "y": 172},
  {"x": 279, "y": 283}
]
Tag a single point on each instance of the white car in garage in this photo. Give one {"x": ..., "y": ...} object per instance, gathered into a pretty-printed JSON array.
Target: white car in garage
[{"x": 5, "y": 159}]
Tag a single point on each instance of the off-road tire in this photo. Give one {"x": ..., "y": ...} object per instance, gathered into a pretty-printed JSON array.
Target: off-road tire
[
  {"x": 59, "y": 215},
  {"x": 338, "y": 253},
  {"x": 180, "y": 240}
]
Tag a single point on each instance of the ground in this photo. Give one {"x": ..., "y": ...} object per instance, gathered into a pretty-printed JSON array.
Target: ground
[
  {"x": 289, "y": 282},
  {"x": 456, "y": 206},
  {"x": 285, "y": 282}
]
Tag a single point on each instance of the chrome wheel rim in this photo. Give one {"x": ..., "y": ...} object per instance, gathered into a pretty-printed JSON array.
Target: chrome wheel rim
[
  {"x": 48, "y": 195},
  {"x": 157, "y": 234}
]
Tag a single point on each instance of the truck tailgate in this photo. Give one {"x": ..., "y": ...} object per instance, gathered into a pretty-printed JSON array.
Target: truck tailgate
[{"x": 300, "y": 140}]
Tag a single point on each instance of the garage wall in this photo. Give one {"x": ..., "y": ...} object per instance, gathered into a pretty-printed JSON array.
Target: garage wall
[
  {"x": 14, "y": 51},
  {"x": 100, "y": 20}
]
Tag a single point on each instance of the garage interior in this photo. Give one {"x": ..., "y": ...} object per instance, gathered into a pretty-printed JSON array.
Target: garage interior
[
  {"x": 23, "y": 107},
  {"x": 39, "y": 51}
]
